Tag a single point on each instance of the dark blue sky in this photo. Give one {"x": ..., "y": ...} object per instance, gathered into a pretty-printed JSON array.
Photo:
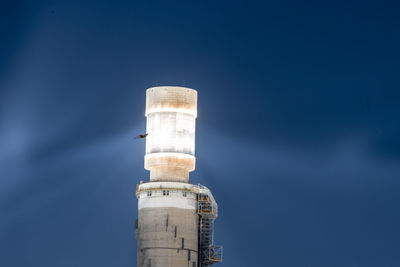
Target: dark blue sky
[{"x": 297, "y": 134}]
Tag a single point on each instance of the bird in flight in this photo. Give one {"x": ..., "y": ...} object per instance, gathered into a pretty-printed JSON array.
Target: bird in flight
[{"x": 141, "y": 136}]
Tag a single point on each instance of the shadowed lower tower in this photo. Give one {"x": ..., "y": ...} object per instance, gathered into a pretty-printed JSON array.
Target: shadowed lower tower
[{"x": 175, "y": 220}]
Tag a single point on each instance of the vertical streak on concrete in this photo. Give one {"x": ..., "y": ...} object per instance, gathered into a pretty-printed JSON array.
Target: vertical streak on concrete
[{"x": 176, "y": 247}]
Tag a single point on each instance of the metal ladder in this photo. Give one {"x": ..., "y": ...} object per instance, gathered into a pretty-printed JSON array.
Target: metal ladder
[{"x": 208, "y": 252}]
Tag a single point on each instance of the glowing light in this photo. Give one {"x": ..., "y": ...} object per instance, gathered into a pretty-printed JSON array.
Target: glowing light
[
  {"x": 171, "y": 122},
  {"x": 170, "y": 132}
]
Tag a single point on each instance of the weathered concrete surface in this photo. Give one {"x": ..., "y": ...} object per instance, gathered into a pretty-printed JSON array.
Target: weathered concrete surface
[{"x": 167, "y": 237}]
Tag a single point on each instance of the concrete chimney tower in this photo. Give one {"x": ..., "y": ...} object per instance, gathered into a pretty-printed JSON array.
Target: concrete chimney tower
[{"x": 175, "y": 220}]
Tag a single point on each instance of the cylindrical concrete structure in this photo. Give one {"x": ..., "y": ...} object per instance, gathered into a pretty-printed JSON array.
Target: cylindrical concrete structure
[
  {"x": 171, "y": 113},
  {"x": 167, "y": 228},
  {"x": 175, "y": 218}
]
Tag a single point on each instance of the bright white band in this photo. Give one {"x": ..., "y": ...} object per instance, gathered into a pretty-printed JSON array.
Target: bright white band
[
  {"x": 170, "y": 195},
  {"x": 177, "y": 110},
  {"x": 170, "y": 154},
  {"x": 167, "y": 202}
]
